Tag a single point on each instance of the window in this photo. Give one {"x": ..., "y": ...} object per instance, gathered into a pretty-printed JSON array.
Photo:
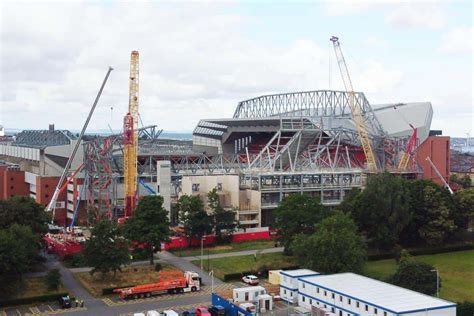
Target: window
[
  {"x": 303, "y": 298},
  {"x": 11, "y": 188},
  {"x": 357, "y": 304},
  {"x": 340, "y": 298},
  {"x": 325, "y": 293},
  {"x": 195, "y": 187},
  {"x": 332, "y": 295},
  {"x": 349, "y": 301},
  {"x": 46, "y": 195},
  {"x": 284, "y": 291},
  {"x": 332, "y": 309},
  {"x": 310, "y": 301},
  {"x": 384, "y": 313},
  {"x": 291, "y": 294},
  {"x": 375, "y": 311},
  {"x": 317, "y": 290},
  {"x": 219, "y": 187},
  {"x": 366, "y": 307},
  {"x": 303, "y": 285},
  {"x": 46, "y": 186},
  {"x": 340, "y": 313}
]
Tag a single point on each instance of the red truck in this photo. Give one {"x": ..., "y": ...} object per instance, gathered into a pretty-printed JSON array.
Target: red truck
[{"x": 168, "y": 282}]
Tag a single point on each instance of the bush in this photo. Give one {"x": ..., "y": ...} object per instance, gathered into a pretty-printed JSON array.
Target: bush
[
  {"x": 465, "y": 309},
  {"x": 53, "y": 279},
  {"x": 30, "y": 300},
  {"x": 75, "y": 260},
  {"x": 158, "y": 267},
  {"x": 416, "y": 276}
]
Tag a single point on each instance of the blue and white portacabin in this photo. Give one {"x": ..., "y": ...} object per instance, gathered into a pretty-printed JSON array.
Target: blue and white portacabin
[
  {"x": 289, "y": 283},
  {"x": 349, "y": 294}
]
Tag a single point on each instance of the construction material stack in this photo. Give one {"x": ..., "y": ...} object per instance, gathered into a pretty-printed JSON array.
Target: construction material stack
[{"x": 130, "y": 139}]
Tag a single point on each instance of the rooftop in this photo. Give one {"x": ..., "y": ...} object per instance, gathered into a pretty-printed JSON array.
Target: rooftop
[
  {"x": 377, "y": 293},
  {"x": 299, "y": 272}
]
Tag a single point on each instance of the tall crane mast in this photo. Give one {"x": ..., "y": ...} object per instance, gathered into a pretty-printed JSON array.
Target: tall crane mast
[
  {"x": 355, "y": 108},
  {"x": 130, "y": 139},
  {"x": 439, "y": 174}
]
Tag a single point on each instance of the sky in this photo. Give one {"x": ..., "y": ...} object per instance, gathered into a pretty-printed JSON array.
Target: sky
[{"x": 199, "y": 59}]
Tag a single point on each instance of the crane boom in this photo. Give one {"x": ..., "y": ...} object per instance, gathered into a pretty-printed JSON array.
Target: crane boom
[
  {"x": 130, "y": 139},
  {"x": 355, "y": 109},
  {"x": 54, "y": 198},
  {"x": 439, "y": 175},
  {"x": 409, "y": 150}
]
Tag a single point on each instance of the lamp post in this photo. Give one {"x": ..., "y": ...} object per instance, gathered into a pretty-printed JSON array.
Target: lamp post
[
  {"x": 437, "y": 281},
  {"x": 202, "y": 249},
  {"x": 211, "y": 274}
]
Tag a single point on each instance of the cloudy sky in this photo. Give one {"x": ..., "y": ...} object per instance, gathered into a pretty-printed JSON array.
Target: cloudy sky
[{"x": 198, "y": 59}]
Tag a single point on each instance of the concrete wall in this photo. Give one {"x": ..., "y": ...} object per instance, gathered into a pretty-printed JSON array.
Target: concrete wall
[{"x": 438, "y": 149}]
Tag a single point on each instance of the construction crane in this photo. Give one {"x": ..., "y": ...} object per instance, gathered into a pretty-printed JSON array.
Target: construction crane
[
  {"x": 355, "y": 108},
  {"x": 409, "y": 150},
  {"x": 130, "y": 139},
  {"x": 439, "y": 174},
  {"x": 59, "y": 187}
]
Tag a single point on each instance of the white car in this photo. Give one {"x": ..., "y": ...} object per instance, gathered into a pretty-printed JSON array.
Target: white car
[{"x": 250, "y": 279}]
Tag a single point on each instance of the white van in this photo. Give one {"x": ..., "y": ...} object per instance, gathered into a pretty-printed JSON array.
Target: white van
[{"x": 170, "y": 313}]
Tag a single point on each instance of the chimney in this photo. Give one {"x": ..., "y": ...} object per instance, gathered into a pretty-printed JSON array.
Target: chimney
[{"x": 51, "y": 127}]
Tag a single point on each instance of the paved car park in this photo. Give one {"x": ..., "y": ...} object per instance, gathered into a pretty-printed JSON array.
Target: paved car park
[{"x": 43, "y": 309}]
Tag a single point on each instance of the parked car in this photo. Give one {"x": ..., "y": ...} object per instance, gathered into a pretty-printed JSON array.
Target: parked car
[
  {"x": 217, "y": 310},
  {"x": 202, "y": 311},
  {"x": 190, "y": 312},
  {"x": 153, "y": 313},
  {"x": 169, "y": 312},
  {"x": 65, "y": 302},
  {"x": 250, "y": 279}
]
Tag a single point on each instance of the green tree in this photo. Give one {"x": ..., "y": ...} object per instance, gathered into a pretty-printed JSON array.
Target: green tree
[
  {"x": 297, "y": 213},
  {"x": 24, "y": 211},
  {"x": 19, "y": 248},
  {"x": 464, "y": 208},
  {"x": 381, "y": 210},
  {"x": 439, "y": 224},
  {"x": 335, "y": 247},
  {"x": 53, "y": 279},
  {"x": 194, "y": 218},
  {"x": 149, "y": 224},
  {"x": 225, "y": 222},
  {"x": 106, "y": 250},
  {"x": 416, "y": 276},
  {"x": 464, "y": 181}
]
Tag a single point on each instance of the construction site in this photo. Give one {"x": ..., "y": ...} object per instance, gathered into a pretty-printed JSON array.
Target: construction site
[{"x": 323, "y": 143}]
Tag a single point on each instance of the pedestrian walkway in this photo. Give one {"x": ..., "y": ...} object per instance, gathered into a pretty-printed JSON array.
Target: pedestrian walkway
[{"x": 236, "y": 254}]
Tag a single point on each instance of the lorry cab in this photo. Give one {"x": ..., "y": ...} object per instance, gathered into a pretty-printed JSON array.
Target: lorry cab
[{"x": 193, "y": 280}]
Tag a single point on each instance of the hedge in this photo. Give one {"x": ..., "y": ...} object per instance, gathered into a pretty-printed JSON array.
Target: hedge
[
  {"x": 110, "y": 290},
  {"x": 33, "y": 299},
  {"x": 423, "y": 251}
]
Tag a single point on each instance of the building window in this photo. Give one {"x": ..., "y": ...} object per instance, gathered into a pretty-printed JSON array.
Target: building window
[
  {"x": 219, "y": 187},
  {"x": 46, "y": 195},
  {"x": 317, "y": 290},
  {"x": 11, "y": 188},
  {"x": 340, "y": 313},
  {"x": 349, "y": 301},
  {"x": 357, "y": 304},
  {"x": 332, "y": 295},
  {"x": 340, "y": 298},
  {"x": 195, "y": 187},
  {"x": 11, "y": 179},
  {"x": 375, "y": 311},
  {"x": 332, "y": 309},
  {"x": 366, "y": 307},
  {"x": 325, "y": 293},
  {"x": 46, "y": 186},
  {"x": 384, "y": 313},
  {"x": 310, "y": 301},
  {"x": 303, "y": 298},
  {"x": 291, "y": 294},
  {"x": 284, "y": 291},
  {"x": 303, "y": 286}
]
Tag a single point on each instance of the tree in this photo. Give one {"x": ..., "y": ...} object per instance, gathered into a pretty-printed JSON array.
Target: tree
[
  {"x": 439, "y": 223},
  {"x": 335, "y": 247},
  {"x": 194, "y": 218},
  {"x": 106, "y": 250},
  {"x": 297, "y": 213},
  {"x": 224, "y": 220},
  {"x": 416, "y": 276},
  {"x": 464, "y": 208},
  {"x": 381, "y": 210},
  {"x": 465, "y": 181},
  {"x": 25, "y": 211},
  {"x": 53, "y": 279},
  {"x": 19, "y": 248},
  {"x": 149, "y": 224}
]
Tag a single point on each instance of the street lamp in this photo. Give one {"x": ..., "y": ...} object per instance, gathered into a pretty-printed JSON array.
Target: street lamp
[
  {"x": 202, "y": 249},
  {"x": 437, "y": 281},
  {"x": 211, "y": 274}
]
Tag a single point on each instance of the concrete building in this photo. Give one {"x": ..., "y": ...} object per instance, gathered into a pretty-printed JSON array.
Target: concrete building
[
  {"x": 349, "y": 294},
  {"x": 289, "y": 283}
]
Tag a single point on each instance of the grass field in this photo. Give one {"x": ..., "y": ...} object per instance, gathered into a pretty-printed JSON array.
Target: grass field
[
  {"x": 129, "y": 276},
  {"x": 222, "y": 266},
  {"x": 31, "y": 287},
  {"x": 233, "y": 247},
  {"x": 456, "y": 271}
]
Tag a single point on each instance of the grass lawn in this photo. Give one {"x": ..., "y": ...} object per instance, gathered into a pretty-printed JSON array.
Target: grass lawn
[
  {"x": 129, "y": 276},
  {"x": 31, "y": 287},
  {"x": 456, "y": 271},
  {"x": 222, "y": 266},
  {"x": 233, "y": 247}
]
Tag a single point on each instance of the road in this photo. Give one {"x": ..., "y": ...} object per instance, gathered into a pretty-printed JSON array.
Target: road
[{"x": 236, "y": 254}]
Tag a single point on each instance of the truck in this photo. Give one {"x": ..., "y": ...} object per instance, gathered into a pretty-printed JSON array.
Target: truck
[{"x": 171, "y": 282}]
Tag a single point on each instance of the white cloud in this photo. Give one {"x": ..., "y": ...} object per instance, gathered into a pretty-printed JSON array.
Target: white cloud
[
  {"x": 417, "y": 15},
  {"x": 458, "y": 40},
  {"x": 373, "y": 42},
  {"x": 350, "y": 7}
]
